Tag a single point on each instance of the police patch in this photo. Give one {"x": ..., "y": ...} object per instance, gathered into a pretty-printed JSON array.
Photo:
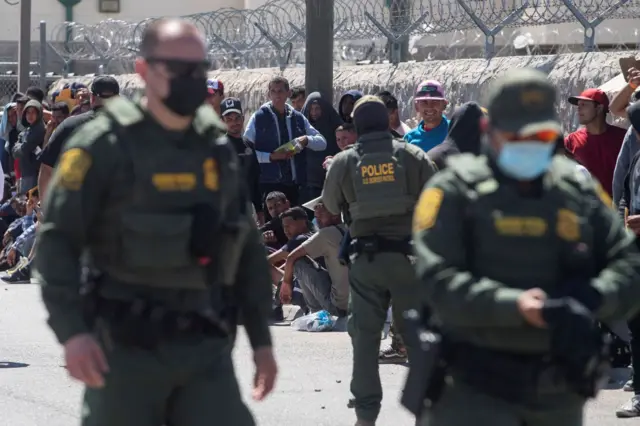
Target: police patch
[
  {"x": 211, "y": 176},
  {"x": 426, "y": 212},
  {"x": 568, "y": 225},
  {"x": 74, "y": 165}
]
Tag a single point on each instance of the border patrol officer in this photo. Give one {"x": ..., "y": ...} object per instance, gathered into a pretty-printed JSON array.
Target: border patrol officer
[
  {"x": 153, "y": 198},
  {"x": 375, "y": 184},
  {"x": 500, "y": 239}
]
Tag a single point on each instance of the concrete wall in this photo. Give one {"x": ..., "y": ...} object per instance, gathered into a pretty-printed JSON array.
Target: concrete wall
[{"x": 464, "y": 79}]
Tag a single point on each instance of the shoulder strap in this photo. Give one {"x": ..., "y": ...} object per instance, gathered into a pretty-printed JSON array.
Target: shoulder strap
[
  {"x": 470, "y": 169},
  {"x": 342, "y": 231},
  {"x": 123, "y": 112}
]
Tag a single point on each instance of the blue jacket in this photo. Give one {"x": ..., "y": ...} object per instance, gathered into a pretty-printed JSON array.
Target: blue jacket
[
  {"x": 630, "y": 147},
  {"x": 428, "y": 139},
  {"x": 263, "y": 132}
]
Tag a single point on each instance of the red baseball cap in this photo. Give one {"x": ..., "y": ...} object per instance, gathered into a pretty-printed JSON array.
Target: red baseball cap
[
  {"x": 593, "y": 95},
  {"x": 215, "y": 85}
]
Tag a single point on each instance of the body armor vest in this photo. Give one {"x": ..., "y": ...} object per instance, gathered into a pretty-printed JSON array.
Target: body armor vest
[
  {"x": 527, "y": 242},
  {"x": 379, "y": 178},
  {"x": 146, "y": 236}
]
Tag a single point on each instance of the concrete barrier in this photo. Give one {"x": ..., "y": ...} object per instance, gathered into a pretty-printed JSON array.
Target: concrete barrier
[{"x": 463, "y": 79}]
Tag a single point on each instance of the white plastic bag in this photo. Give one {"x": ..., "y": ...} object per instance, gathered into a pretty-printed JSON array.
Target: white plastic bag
[{"x": 317, "y": 321}]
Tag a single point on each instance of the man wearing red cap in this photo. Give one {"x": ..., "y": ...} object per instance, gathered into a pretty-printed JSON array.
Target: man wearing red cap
[
  {"x": 597, "y": 144},
  {"x": 215, "y": 94}
]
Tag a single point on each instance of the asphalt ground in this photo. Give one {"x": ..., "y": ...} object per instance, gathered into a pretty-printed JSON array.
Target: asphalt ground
[{"x": 313, "y": 386}]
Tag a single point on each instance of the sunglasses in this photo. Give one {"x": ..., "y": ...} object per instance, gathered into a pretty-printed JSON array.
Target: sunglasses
[
  {"x": 180, "y": 68},
  {"x": 545, "y": 136}
]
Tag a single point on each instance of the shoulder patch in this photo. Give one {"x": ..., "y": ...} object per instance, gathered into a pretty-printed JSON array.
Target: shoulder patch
[
  {"x": 426, "y": 211},
  {"x": 73, "y": 167},
  {"x": 124, "y": 111},
  {"x": 470, "y": 168},
  {"x": 90, "y": 132},
  {"x": 206, "y": 119}
]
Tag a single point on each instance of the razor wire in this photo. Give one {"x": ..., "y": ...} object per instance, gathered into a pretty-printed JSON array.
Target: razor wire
[{"x": 246, "y": 38}]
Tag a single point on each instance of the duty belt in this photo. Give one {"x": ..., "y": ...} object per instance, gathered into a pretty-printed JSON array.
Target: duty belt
[
  {"x": 508, "y": 376},
  {"x": 144, "y": 324},
  {"x": 376, "y": 244}
]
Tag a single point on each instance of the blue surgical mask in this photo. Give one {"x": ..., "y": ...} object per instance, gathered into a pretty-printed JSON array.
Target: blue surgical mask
[{"x": 525, "y": 160}]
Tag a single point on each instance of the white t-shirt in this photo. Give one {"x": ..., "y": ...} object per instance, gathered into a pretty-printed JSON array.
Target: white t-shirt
[{"x": 402, "y": 129}]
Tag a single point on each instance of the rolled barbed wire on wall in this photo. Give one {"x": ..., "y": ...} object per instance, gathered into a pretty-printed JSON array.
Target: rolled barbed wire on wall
[{"x": 249, "y": 38}]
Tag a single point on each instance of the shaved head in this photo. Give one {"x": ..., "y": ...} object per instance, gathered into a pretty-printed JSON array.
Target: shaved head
[
  {"x": 168, "y": 36},
  {"x": 173, "y": 64}
]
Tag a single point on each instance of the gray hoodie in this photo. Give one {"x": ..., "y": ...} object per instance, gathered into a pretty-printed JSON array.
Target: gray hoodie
[{"x": 30, "y": 139}]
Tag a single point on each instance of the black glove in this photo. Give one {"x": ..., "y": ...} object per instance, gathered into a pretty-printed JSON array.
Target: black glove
[
  {"x": 576, "y": 343},
  {"x": 583, "y": 292}
]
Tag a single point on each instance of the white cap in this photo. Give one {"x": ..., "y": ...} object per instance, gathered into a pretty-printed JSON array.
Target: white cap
[{"x": 311, "y": 205}]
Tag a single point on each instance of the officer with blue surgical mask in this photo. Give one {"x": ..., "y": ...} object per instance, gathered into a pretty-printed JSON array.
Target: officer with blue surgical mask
[{"x": 517, "y": 253}]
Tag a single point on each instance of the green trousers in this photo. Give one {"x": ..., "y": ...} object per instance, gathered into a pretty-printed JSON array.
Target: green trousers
[
  {"x": 183, "y": 383},
  {"x": 388, "y": 277},
  {"x": 461, "y": 405}
]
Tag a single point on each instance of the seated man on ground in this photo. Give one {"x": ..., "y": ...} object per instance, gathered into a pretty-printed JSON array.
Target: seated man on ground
[
  {"x": 272, "y": 231},
  {"x": 324, "y": 287},
  {"x": 23, "y": 243},
  {"x": 298, "y": 229},
  {"x": 21, "y": 273}
]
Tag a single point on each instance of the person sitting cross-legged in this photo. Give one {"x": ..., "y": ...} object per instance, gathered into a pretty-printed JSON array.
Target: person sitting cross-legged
[{"x": 324, "y": 283}]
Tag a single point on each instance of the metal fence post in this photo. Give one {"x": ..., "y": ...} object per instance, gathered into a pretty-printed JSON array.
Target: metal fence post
[
  {"x": 395, "y": 39},
  {"x": 590, "y": 26},
  {"x": 42, "y": 61},
  {"x": 284, "y": 50},
  {"x": 24, "y": 49},
  {"x": 490, "y": 33}
]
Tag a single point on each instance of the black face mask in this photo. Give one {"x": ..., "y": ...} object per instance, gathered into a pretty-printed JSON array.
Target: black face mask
[{"x": 186, "y": 95}]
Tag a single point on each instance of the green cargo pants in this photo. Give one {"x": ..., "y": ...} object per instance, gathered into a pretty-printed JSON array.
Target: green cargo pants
[
  {"x": 373, "y": 284},
  {"x": 461, "y": 405},
  {"x": 182, "y": 383}
]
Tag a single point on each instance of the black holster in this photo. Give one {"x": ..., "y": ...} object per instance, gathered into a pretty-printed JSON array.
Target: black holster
[
  {"x": 428, "y": 367},
  {"x": 375, "y": 244},
  {"x": 343, "y": 252}
]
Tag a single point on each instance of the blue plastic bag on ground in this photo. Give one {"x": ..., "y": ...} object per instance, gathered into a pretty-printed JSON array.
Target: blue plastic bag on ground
[{"x": 317, "y": 321}]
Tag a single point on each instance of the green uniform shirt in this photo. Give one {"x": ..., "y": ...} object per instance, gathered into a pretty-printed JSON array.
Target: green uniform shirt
[
  {"x": 87, "y": 183},
  {"x": 476, "y": 256}
]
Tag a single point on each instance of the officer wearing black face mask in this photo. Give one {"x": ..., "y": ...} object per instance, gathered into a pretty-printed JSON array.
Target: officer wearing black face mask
[{"x": 148, "y": 201}]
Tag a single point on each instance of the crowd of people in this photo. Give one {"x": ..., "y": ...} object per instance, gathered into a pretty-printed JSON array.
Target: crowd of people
[{"x": 286, "y": 147}]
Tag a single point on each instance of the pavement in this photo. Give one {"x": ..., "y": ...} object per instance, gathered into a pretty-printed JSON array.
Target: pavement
[{"x": 313, "y": 386}]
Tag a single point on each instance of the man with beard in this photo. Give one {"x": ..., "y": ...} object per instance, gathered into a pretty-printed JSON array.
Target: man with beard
[
  {"x": 231, "y": 112},
  {"x": 430, "y": 103},
  {"x": 345, "y": 106},
  {"x": 597, "y": 144}
]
